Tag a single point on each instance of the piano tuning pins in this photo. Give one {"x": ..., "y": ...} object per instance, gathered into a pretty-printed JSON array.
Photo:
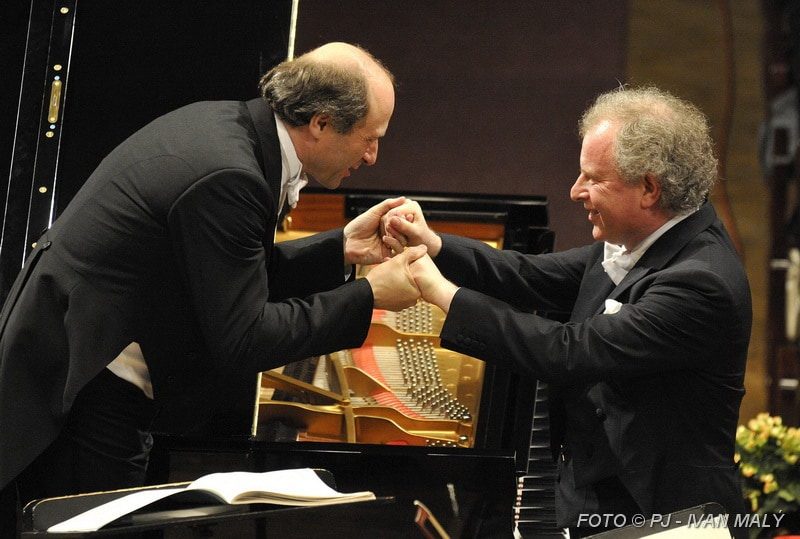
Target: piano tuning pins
[
  {"x": 440, "y": 443},
  {"x": 421, "y": 373},
  {"x": 415, "y": 319}
]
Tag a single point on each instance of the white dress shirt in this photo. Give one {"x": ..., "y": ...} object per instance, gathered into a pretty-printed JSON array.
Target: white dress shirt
[
  {"x": 292, "y": 177},
  {"x": 617, "y": 261}
]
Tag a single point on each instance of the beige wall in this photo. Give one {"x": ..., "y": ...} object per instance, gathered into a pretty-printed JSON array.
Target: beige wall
[{"x": 679, "y": 45}]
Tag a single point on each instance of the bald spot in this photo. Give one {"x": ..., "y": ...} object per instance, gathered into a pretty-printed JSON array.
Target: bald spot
[{"x": 348, "y": 57}]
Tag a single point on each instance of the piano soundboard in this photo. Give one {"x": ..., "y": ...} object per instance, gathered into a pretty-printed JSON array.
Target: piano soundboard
[{"x": 400, "y": 388}]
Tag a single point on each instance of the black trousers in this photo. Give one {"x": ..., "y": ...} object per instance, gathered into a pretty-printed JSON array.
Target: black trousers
[{"x": 104, "y": 445}]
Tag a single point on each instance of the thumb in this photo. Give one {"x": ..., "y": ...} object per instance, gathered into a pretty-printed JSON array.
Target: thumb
[
  {"x": 388, "y": 204},
  {"x": 415, "y": 253},
  {"x": 402, "y": 225}
]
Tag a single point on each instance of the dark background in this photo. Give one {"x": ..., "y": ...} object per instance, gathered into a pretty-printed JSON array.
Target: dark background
[
  {"x": 135, "y": 60},
  {"x": 489, "y": 94}
]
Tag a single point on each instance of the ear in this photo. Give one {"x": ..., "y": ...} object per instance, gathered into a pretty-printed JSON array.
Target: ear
[
  {"x": 651, "y": 190},
  {"x": 319, "y": 122}
]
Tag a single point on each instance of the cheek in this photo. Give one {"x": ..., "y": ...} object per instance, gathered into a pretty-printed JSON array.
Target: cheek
[{"x": 600, "y": 195}]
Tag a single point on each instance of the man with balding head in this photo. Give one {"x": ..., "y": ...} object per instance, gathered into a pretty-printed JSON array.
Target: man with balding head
[{"x": 160, "y": 287}]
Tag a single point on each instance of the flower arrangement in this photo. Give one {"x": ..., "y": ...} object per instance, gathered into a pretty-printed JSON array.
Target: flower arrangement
[{"x": 768, "y": 452}]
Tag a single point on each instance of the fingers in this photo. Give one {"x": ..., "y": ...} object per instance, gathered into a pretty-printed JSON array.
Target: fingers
[
  {"x": 409, "y": 255},
  {"x": 383, "y": 207},
  {"x": 397, "y": 226},
  {"x": 393, "y": 287},
  {"x": 393, "y": 244},
  {"x": 408, "y": 210}
]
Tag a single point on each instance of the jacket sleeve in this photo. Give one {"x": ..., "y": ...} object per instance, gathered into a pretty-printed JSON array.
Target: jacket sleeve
[
  {"x": 219, "y": 229},
  {"x": 686, "y": 316},
  {"x": 528, "y": 282},
  {"x": 304, "y": 266}
]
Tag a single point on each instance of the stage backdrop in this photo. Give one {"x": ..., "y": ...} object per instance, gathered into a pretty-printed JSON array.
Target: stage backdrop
[{"x": 489, "y": 93}]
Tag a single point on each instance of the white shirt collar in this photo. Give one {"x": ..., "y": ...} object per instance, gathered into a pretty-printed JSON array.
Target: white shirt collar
[
  {"x": 617, "y": 261},
  {"x": 292, "y": 177}
]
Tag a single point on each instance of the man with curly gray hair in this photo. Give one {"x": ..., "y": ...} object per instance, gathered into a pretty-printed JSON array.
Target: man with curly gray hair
[
  {"x": 661, "y": 135},
  {"x": 647, "y": 373}
]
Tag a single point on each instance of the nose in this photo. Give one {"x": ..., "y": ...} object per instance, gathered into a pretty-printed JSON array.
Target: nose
[
  {"x": 371, "y": 154},
  {"x": 578, "y": 190}
]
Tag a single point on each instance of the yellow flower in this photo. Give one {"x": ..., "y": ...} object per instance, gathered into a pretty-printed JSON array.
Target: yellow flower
[
  {"x": 753, "y": 495},
  {"x": 768, "y": 455},
  {"x": 748, "y": 470}
]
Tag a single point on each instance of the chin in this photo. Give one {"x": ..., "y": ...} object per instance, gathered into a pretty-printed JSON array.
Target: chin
[{"x": 330, "y": 183}]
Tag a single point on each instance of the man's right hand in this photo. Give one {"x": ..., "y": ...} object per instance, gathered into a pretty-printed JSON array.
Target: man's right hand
[
  {"x": 393, "y": 287},
  {"x": 405, "y": 226}
]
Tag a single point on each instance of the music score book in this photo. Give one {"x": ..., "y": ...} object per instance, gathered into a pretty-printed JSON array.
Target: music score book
[{"x": 296, "y": 487}]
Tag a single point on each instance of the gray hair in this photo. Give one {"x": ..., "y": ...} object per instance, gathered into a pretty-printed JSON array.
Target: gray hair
[
  {"x": 662, "y": 135},
  {"x": 298, "y": 89}
]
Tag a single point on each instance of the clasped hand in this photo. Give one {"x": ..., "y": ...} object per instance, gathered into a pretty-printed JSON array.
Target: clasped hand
[
  {"x": 400, "y": 275},
  {"x": 405, "y": 225},
  {"x": 393, "y": 287}
]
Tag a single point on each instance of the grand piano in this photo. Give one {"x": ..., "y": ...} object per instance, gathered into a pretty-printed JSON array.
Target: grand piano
[{"x": 400, "y": 415}]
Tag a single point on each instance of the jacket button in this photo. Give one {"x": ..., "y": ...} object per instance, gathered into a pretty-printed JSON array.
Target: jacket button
[{"x": 600, "y": 413}]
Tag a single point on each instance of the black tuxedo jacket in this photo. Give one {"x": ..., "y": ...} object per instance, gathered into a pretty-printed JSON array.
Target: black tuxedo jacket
[
  {"x": 170, "y": 244},
  {"x": 649, "y": 394}
]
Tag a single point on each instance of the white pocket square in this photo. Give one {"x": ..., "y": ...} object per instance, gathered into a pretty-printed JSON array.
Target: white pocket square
[{"x": 612, "y": 306}]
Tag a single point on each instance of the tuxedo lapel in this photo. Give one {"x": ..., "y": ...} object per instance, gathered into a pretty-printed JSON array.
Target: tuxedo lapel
[
  {"x": 269, "y": 149},
  {"x": 636, "y": 273},
  {"x": 666, "y": 247},
  {"x": 595, "y": 288},
  {"x": 676, "y": 238},
  {"x": 268, "y": 152},
  {"x": 597, "y": 285}
]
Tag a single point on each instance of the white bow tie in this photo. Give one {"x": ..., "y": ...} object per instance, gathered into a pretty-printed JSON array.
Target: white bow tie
[
  {"x": 293, "y": 187},
  {"x": 617, "y": 262}
]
